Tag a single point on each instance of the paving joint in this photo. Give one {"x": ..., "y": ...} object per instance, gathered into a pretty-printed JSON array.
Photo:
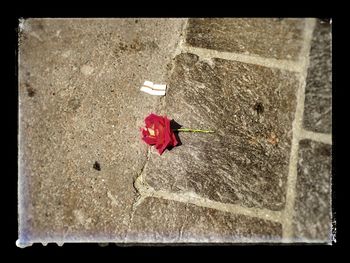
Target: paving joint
[
  {"x": 205, "y": 53},
  {"x": 297, "y": 127},
  {"x": 316, "y": 136},
  {"x": 192, "y": 198}
]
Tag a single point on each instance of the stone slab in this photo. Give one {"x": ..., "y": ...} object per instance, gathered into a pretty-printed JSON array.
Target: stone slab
[
  {"x": 312, "y": 217},
  {"x": 318, "y": 92},
  {"x": 251, "y": 108},
  {"x": 266, "y": 37}
]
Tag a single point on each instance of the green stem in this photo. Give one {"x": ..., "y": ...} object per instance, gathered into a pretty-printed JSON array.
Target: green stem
[{"x": 192, "y": 130}]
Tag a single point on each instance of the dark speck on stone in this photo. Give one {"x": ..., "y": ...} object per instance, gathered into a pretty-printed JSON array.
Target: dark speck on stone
[
  {"x": 259, "y": 107},
  {"x": 97, "y": 166},
  {"x": 30, "y": 90}
]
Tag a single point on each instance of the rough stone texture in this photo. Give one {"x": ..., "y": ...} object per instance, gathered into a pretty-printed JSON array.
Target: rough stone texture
[
  {"x": 318, "y": 93},
  {"x": 251, "y": 108},
  {"x": 266, "y": 37},
  {"x": 80, "y": 109},
  {"x": 312, "y": 218},
  {"x": 159, "y": 220},
  {"x": 79, "y": 102}
]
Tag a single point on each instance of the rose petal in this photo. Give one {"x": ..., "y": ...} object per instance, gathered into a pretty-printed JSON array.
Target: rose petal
[
  {"x": 149, "y": 140},
  {"x": 150, "y": 119},
  {"x": 174, "y": 141},
  {"x": 166, "y": 137},
  {"x": 160, "y": 135}
]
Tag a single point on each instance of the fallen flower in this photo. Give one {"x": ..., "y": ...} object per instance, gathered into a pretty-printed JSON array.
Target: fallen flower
[{"x": 159, "y": 133}]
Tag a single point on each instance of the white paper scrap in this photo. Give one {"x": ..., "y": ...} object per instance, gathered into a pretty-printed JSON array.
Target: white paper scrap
[
  {"x": 148, "y": 84},
  {"x": 153, "y": 89},
  {"x": 159, "y": 87}
]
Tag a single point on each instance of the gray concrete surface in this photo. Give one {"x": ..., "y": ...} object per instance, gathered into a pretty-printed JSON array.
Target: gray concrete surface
[{"x": 80, "y": 103}]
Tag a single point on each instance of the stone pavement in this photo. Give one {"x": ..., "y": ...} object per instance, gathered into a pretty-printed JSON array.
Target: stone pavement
[{"x": 264, "y": 86}]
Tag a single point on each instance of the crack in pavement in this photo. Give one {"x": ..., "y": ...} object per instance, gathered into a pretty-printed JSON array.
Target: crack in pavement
[{"x": 137, "y": 185}]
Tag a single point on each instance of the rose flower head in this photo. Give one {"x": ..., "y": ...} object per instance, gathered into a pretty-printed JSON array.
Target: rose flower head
[{"x": 158, "y": 132}]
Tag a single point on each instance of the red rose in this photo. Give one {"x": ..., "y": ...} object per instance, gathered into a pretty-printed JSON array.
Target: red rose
[{"x": 158, "y": 132}]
